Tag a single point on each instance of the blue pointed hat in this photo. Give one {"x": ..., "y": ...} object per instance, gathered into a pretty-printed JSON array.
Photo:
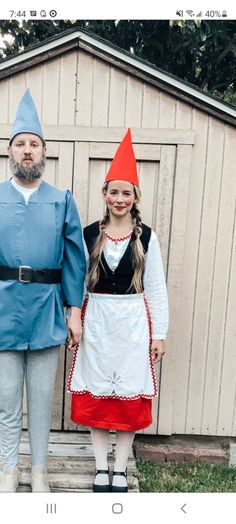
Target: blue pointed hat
[{"x": 27, "y": 120}]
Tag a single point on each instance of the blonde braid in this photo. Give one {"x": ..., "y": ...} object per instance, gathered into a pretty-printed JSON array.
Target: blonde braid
[
  {"x": 137, "y": 247},
  {"x": 96, "y": 254}
]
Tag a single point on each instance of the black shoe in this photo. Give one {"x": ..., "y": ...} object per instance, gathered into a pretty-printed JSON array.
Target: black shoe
[
  {"x": 101, "y": 488},
  {"x": 120, "y": 489}
]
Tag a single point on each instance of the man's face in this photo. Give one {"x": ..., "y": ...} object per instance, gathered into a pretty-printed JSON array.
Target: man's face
[{"x": 27, "y": 157}]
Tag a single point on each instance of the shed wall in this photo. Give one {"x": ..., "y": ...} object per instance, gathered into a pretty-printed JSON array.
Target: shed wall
[{"x": 188, "y": 198}]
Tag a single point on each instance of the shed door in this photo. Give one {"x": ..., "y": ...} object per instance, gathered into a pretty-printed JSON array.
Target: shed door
[{"x": 164, "y": 170}]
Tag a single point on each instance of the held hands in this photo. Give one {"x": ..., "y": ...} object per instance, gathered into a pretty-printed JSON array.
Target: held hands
[
  {"x": 157, "y": 350},
  {"x": 74, "y": 328}
]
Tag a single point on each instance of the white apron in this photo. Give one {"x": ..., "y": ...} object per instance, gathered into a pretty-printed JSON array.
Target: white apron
[{"x": 113, "y": 358}]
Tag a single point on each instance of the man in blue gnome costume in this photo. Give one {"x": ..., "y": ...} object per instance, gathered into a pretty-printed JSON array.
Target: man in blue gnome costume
[{"x": 42, "y": 268}]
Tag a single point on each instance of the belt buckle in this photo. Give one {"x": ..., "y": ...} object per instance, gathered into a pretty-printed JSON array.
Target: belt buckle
[{"x": 20, "y": 277}]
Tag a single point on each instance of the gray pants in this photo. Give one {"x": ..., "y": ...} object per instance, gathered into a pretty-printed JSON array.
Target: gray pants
[{"x": 38, "y": 369}]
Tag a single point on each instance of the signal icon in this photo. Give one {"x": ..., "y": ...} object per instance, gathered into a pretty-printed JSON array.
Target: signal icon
[{"x": 199, "y": 15}]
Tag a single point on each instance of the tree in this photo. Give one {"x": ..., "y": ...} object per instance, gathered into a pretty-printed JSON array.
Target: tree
[{"x": 202, "y": 53}]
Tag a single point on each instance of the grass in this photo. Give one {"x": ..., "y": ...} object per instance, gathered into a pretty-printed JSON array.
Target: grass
[{"x": 180, "y": 478}]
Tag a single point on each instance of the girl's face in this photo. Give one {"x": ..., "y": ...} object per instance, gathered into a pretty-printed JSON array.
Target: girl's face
[{"x": 120, "y": 197}]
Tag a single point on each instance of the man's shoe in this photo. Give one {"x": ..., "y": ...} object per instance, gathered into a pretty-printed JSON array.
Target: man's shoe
[
  {"x": 120, "y": 489},
  {"x": 9, "y": 480},
  {"x": 101, "y": 488},
  {"x": 39, "y": 480}
]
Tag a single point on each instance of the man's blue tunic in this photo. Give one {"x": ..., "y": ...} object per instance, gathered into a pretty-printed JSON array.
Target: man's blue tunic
[{"x": 46, "y": 233}]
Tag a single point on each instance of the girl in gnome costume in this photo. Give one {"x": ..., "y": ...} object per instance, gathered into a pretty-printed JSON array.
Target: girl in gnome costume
[{"x": 125, "y": 320}]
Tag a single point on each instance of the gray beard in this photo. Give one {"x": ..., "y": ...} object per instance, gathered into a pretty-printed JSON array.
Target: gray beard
[{"x": 27, "y": 174}]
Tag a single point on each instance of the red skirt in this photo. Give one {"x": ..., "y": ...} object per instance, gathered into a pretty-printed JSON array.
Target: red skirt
[{"x": 110, "y": 413}]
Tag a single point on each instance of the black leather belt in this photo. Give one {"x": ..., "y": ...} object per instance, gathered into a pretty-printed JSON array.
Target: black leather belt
[{"x": 27, "y": 274}]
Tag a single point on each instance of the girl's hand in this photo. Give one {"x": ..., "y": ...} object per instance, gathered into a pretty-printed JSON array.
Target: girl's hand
[{"x": 157, "y": 350}]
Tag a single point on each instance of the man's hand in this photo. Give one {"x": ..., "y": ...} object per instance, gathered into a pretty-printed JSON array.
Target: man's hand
[
  {"x": 158, "y": 350},
  {"x": 74, "y": 328}
]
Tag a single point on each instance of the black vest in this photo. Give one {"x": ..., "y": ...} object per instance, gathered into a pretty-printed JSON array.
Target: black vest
[{"x": 118, "y": 281}]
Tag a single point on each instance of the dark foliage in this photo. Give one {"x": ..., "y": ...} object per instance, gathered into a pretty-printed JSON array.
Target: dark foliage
[{"x": 202, "y": 53}]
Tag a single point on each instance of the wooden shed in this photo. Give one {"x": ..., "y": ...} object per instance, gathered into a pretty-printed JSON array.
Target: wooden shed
[{"x": 87, "y": 93}]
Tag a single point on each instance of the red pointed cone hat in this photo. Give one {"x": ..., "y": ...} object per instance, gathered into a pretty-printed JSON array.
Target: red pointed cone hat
[{"x": 123, "y": 166}]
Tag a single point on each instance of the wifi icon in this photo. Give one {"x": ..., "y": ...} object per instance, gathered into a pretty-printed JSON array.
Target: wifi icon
[{"x": 190, "y": 12}]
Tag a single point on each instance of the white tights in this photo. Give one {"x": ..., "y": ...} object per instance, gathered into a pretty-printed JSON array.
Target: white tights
[{"x": 124, "y": 441}]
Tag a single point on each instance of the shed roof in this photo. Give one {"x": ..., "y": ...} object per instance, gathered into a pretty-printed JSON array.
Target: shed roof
[{"x": 78, "y": 38}]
